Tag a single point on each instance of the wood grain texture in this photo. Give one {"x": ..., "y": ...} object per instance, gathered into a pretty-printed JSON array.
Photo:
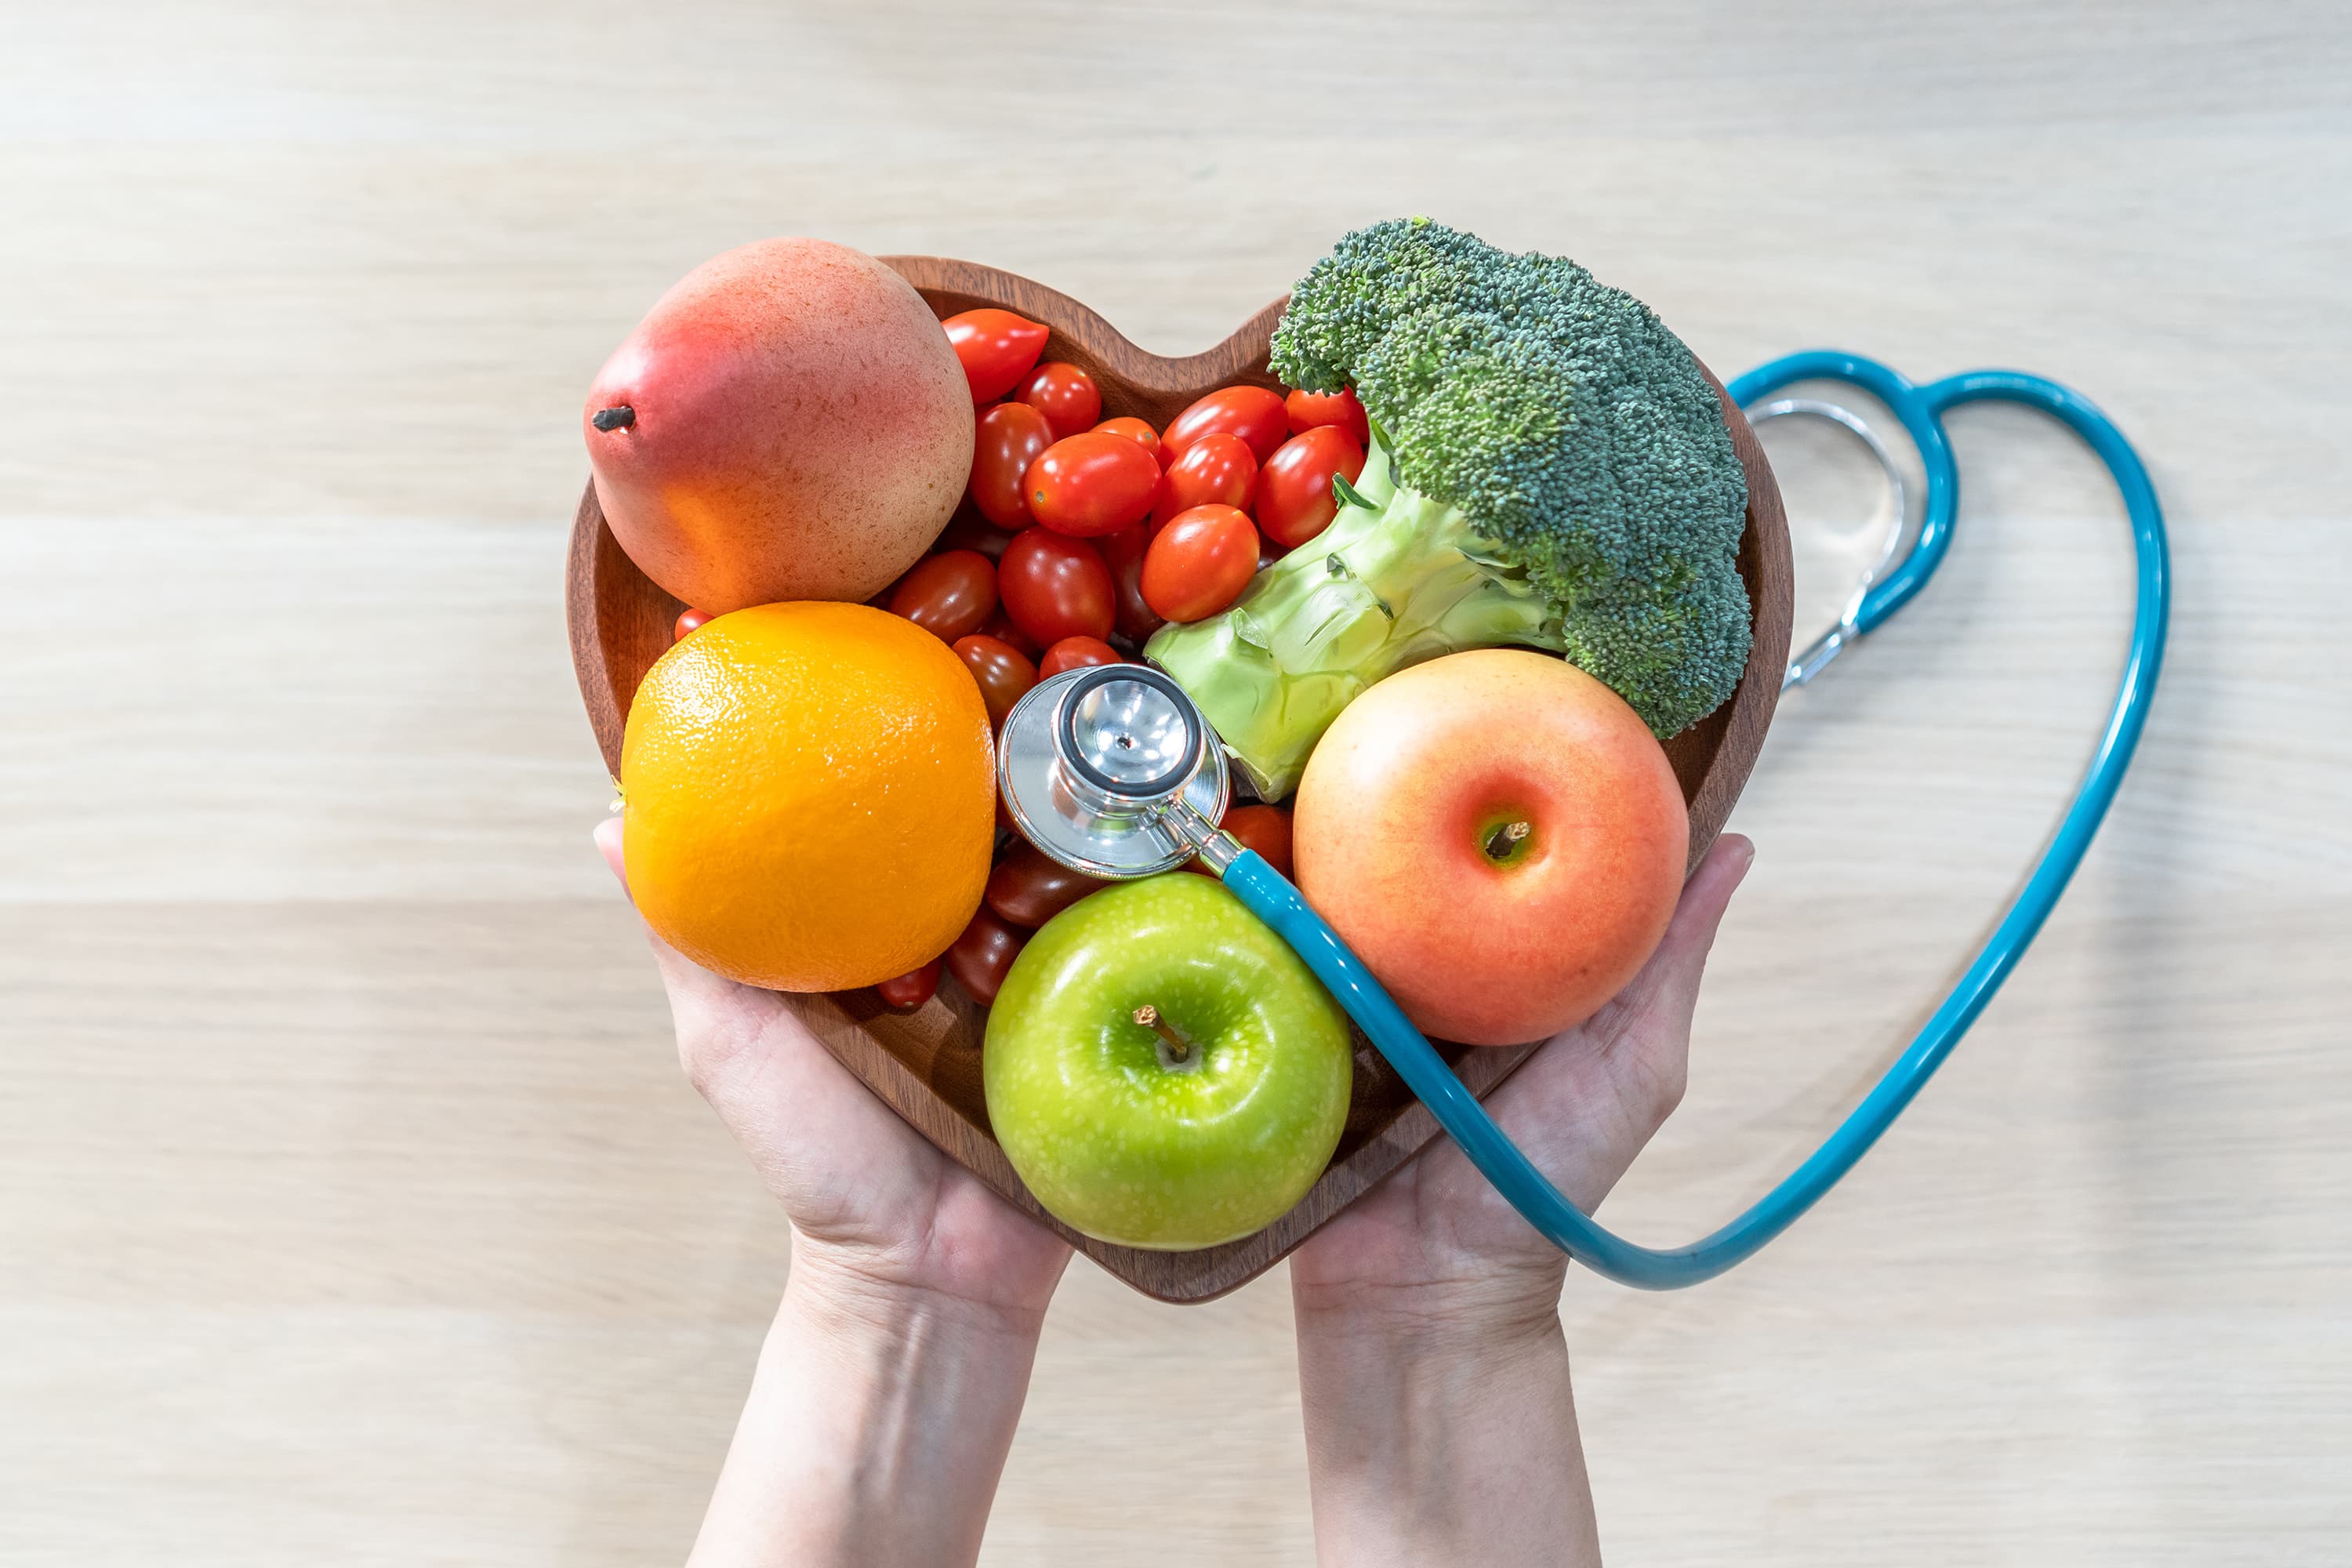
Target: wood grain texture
[
  {"x": 926, "y": 1067},
  {"x": 352, "y": 1209}
]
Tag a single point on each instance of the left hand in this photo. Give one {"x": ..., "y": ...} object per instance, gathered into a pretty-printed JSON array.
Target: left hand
[{"x": 877, "y": 1208}]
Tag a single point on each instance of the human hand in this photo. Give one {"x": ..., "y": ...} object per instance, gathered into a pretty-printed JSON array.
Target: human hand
[
  {"x": 1433, "y": 1374},
  {"x": 1436, "y": 1236},
  {"x": 888, "y": 1389},
  {"x": 874, "y": 1205}
]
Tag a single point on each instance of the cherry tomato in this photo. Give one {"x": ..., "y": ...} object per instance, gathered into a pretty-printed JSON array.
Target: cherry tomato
[
  {"x": 1295, "y": 501},
  {"x": 1000, "y": 626},
  {"x": 1054, "y": 586},
  {"x": 1067, "y": 395},
  {"x": 967, "y": 530},
  {"x": 1265, "y": 828},
  {"x": 1004, "y": 671},
  {"x": 911, "y": 990},
  {"x": 997, "y": 348},
  {"x": 946, "y": 594},
  {"x": 1030, "y": 886},
  {"x": 688, "y": 619},
  {"x": 1311, "y": 410},
  {"x": 1216, "y": 467},
  {"x": 1077, "y": 653},
  {"x": 1140, "y": 432},
  {"x": 1091, "y": 484},
  {"x": 980, "y": 957},
  {"x": 1005, "y": 440},
  {"x": 1255, "y": 414},
  {"x": 1199, "y": 563},
  {"x": 1123, "y": 552}
]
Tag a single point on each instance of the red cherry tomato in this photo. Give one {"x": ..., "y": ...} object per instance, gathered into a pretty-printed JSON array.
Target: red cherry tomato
[
  {"x": 1123, "y": 552},
  {"x": 967, "y": 530},
  {"x": 911, "y": 990},
  {"x": 688, "y": 619},
  {"x": 1000, "y": 626},
  {"x": 948, "y": 595},
  {"x": 1140, "y": 432},
  {"x": 1067, "y": 395},
  {"x": 1075, "y": 653},
  {"x": 1091, "y": 484},
  {"x": 1199, "y": 563},
  {"x": 1255, "y": 414},
  {"x": 1004, "y": 671},
  {"x": 1054, "y": 586},
  {"x": 1313, "y": 410},
  {"x": 1216, "y": 467},
  {"x": 1265, "y": 828},
  {"x": 1005, "y": 440},
  {"x": 997, "y": 348},
  {"x": 1295, "y": 501},
  {"x": 981, "y": 956},
  {"x": 1029, "y": 886}
]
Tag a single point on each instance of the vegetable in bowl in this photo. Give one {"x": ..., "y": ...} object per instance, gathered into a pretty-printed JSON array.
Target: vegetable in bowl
[{"x": 1549, "y": 467}]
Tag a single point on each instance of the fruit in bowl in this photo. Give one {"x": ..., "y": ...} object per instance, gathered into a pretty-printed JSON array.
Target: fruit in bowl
[
  {"x": 1498, "y": 836},
  {"x": 788, "y": 422},
  {"x": 1163, "y": 1071},
  {"x": 1034, "y": 369},
  {"x": 809, "y": 796}
]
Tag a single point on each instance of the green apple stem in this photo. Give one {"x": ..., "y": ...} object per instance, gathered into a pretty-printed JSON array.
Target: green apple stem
[
  {"x": 1508, "y": 837},
  {"x": 1173, "y": 1045}
]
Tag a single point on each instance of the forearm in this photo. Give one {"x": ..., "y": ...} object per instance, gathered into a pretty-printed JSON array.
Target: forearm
[
  {"x": 1442, "y": 1441},
  {"x": 876, "y": 1427}
]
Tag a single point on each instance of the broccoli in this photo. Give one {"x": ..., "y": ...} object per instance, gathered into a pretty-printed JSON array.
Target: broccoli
[{"x": 1549, "y": 467}]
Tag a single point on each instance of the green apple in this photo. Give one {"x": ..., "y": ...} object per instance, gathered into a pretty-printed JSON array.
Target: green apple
[{"x": 1161, "y": 1069}]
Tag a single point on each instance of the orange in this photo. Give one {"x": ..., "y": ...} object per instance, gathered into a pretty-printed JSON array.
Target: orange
[{"x": 810, "y": 797}]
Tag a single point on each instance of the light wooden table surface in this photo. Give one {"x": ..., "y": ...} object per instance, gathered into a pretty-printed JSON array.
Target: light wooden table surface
[{"x": 351, "y": 1209}]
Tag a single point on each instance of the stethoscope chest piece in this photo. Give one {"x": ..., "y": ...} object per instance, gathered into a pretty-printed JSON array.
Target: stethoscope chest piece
[{"x": 1111, "y": 769}]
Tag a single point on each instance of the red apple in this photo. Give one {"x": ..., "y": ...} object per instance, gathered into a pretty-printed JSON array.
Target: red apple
[{"x": 1499, "y": 836}]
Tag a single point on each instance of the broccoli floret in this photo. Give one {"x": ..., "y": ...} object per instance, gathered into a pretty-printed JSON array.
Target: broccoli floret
[{"x": 1549, "y": 467}]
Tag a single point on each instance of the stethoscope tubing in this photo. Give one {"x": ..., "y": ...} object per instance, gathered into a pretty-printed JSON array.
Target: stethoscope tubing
[{"x": 1920, "y": 409}]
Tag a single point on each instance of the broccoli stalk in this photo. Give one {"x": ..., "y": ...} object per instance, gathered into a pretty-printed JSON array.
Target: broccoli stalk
[
  {"x": 1396, "y": 578},
  {"x": 1550, "y": 467}
]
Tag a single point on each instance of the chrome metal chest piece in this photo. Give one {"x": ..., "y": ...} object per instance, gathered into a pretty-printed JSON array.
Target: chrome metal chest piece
[{"x": 1112, "y": 771}]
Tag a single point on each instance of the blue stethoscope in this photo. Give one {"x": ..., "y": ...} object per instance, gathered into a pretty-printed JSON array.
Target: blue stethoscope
[{"x": 1110, "y": 771}]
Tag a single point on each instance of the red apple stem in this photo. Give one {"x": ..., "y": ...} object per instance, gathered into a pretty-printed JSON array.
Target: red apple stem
[
  {"x": 1500, "y": 841},
  {"x": 620, "y": 416},
  {"x": 1178, "y": 1046}
]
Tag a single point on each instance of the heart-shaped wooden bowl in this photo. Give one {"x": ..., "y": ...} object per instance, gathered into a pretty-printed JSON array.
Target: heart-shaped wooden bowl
[{"x": 926, "y": 1065}]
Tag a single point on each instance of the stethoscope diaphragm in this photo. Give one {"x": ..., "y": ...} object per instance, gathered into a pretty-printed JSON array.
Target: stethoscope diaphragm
[{"x": 1111, "y": 770}]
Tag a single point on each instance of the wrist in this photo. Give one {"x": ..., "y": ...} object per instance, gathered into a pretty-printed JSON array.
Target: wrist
[
  {"x": 1424, "y": 1346},
  {"x": 1487, "y": 1305},
  {"x": 837, "y": 1291}
]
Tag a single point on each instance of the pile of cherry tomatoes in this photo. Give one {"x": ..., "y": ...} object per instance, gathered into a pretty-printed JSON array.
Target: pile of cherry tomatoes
[{"x": 1078, "y": 537}]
